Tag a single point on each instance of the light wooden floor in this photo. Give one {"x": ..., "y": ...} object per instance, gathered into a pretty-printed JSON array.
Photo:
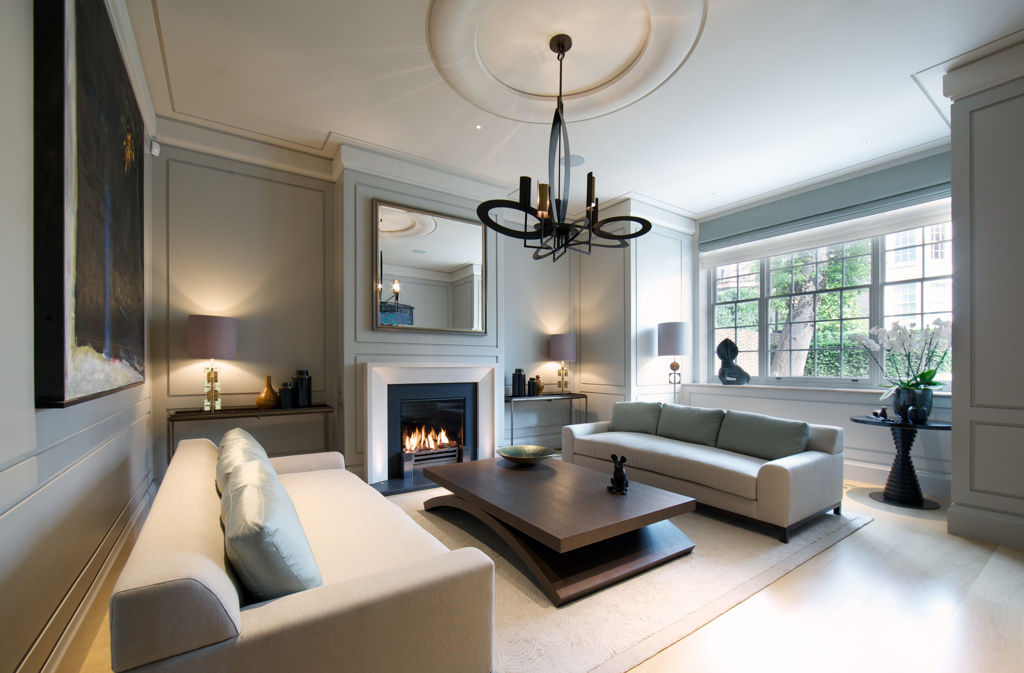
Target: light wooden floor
[{"x": 901, "y": 594}]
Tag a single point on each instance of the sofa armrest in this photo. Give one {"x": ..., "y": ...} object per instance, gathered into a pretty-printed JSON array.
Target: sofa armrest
[
  {"x": 308, "y": 462},
  {"x": 386, "y": 621},
  {"x": 793, "y": 488},
  {"x": 571, "y": 432},
  {"x": 825, "y": 438}
]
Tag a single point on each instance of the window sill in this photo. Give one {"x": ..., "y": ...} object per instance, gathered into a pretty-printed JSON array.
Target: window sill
[{"x": 873, "y": 392}]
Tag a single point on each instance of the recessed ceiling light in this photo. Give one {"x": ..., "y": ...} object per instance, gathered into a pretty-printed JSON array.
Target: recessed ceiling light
[
  {"x": 478, "y": 127},
  {"x": 417, "y": 251}
]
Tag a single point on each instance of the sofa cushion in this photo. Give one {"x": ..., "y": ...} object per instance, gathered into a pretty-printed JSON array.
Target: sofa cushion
[
  {"x": 636, "y": 417},
  {"x": 762, "y": 436},
  {"x": 690, "y": 424},
  {"x": 236, "y": 447},
  {"x": 263, "y": 538},
  {"x": 722, "y": 470}
]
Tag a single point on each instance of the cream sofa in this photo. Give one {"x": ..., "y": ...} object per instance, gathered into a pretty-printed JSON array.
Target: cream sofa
[
  {"x": 393, "y": 597},
  {"x": 784, "y": 492}
]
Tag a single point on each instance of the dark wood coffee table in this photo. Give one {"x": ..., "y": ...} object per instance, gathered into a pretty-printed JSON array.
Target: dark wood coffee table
[{"x": 560, "y": 519}]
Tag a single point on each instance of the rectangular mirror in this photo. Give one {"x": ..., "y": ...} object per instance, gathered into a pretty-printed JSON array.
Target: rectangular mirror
[{"x": 429, "y": 271}]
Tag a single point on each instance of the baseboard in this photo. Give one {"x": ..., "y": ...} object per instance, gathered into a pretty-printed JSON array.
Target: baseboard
[
  {"x": 985, "y": 525},
  {"x": 935, "y": 485},
  {"x": 57, "y": 640}
]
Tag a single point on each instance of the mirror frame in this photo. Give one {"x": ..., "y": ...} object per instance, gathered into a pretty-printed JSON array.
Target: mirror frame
[{"x": 375, "y": 305}]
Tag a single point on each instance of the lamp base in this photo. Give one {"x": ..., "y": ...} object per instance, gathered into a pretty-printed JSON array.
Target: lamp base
[
  {"x": 563, "y": 380},
  {"x": 211, "y": 388}
]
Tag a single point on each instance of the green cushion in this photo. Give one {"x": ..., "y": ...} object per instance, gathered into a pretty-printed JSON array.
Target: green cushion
[
  {"x": 263, "y": 538},
  {"x": 695, "y": 425},
  {"x": 236, "y": 447},
  {"x": 636, "y": 417},
  {"x": 762, "y": 436}
]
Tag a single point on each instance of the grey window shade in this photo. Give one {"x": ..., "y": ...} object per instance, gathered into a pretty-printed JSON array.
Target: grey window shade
[{"x": 895, "y": 187}]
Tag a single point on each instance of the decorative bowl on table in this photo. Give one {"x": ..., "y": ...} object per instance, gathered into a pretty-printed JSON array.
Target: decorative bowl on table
[{"x": 526, "y": 454}]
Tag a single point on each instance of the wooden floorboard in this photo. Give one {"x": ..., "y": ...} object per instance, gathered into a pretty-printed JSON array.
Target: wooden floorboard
[{"x": 901, "y": 594}]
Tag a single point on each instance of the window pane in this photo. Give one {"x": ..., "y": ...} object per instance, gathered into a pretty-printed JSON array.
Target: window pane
[
  {"x": 778, "y": 310},
  {"x": 726, "y": 271},
  {"x": 827, "y": 306},
  {"x": 749, "y": 362},
  {"x": 830, "y": 252},
  {"x": 830, "y": 274},
  {"x": 938, "y": 259},
  {"x": 827, "y": 334},
  {"x": 857, "y": 270},
  {"x": 723, "y": 334},
  {"x": 903, "y": 238},
  {"x": 803, "y": 257},
  {"x": 746, "y": 313},
  {"x": 781, "y": 261},
  {"x": 856, "y": 363},
  {"x": 779, "y": 363},
  {"x": 725, "y": 315},
  {"x": 749, "y": 267},
  {"x": 829, "y": 362},
  {"x": 904, "y": 299},
  {"x": 857, "y": 303},
  {"x": 938, "y": 296},
  {"x": 902, "y": 264},
  {"x": 747, "y": 339},
  {"x": 782, "y": 281},
  {"x": 805, "y": 278},
  {"x": 852, "y": 327},
  {"x": 725, "y": 290},
  {"x": 801, "y": 335},
  {"x": 749, "y": 286},
  {"x": 801, "y": 363},
  {"x": 861, "y": 247}
]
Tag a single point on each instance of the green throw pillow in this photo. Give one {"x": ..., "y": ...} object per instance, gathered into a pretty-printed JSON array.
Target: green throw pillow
[
  {"x": 762, "y": 436},
  {"x": 236, "y": 447},
  {"x": 690, "y": 424},
  {"x": 636, "y": 417},
  {"x": 263, "y": 538}
]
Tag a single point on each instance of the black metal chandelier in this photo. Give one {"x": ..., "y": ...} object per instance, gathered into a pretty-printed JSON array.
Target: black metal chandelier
[{"x": 546, "y": 228}]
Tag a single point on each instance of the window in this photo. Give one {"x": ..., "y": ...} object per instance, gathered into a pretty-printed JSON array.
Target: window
[{"x": 792, "y": 314}]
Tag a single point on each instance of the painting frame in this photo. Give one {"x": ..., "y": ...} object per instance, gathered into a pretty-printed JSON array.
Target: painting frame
[{"x": 89, "y": 248}]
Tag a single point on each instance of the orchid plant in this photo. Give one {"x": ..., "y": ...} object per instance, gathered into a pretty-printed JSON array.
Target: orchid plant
[{"x": 908, "y": 358}]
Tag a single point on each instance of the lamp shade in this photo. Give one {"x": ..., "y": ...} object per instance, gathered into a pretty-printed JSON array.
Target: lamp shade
[
  {"x": 672, "y": 338},
  {"x": 563, "y": 347},
  {"x": 212, "y": 336}
]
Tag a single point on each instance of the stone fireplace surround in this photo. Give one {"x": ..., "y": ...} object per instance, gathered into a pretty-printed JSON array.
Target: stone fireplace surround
[{"x": 379, "y": 375}]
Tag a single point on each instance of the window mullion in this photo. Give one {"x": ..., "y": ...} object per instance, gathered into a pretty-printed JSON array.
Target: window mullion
[
  {"x": 762, "y": 323},
  {"x": 876, "y": 298}
]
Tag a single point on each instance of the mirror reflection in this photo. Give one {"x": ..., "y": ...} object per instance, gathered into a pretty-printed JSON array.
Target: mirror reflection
[{"x": 429, "y": 271}]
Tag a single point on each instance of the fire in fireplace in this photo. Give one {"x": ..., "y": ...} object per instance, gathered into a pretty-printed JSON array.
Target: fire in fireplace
[{"x": 430, "y": 424}]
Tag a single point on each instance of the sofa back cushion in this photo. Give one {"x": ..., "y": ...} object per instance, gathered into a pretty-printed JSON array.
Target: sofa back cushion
[
  {"x": 695, "y": 425},
  {"x": 236, "y": 447},
  {"x": 636, "y": 417},
  {"x": 761, "y": 436},
  {"x": 263, "y": 538}
]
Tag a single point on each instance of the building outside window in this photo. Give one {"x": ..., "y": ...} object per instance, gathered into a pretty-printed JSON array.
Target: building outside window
[{"x": 792, "y": 314}]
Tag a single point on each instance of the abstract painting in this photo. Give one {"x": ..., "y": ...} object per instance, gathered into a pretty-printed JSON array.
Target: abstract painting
[{"x": 89, "y": 148}]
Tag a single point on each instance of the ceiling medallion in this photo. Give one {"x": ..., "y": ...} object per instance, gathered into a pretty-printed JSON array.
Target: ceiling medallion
[{"x": 546, "y": 228}]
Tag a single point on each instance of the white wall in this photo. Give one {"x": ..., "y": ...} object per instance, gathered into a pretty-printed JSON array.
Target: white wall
[{"x": 70, "y": 479}]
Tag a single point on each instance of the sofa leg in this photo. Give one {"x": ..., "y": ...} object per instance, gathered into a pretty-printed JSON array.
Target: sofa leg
[
  {"x": 837, "y": 510},
  {"x": 784, "y": 535}
]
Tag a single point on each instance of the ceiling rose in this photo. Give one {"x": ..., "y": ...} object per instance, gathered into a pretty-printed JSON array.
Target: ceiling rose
[{"x": 494, "y": 53}]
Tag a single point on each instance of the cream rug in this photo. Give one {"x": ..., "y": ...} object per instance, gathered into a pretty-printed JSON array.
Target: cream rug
[{"x": 626, "y": 623}]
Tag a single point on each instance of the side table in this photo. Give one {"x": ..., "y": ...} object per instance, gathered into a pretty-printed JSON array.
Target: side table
[
  {"x": 193, "y": 414},
  {"x": 902, "y": 488},
  {"x": 513, "y": 401}
]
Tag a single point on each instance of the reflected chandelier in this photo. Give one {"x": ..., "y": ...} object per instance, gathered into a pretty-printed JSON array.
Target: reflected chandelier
[{"x": 545, "y": 228}]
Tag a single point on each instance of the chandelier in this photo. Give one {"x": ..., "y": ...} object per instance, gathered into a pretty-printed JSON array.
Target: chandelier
[{"x": 546, "y": 229}]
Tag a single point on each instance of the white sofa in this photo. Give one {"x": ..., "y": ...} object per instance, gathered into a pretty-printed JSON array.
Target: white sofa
[
  {"x": 393, "y": 597},
  {"x": 785, "y": 492}
]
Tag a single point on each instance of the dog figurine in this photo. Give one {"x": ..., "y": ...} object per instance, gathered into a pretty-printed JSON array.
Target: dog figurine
[{"x": 620, "y": 483}]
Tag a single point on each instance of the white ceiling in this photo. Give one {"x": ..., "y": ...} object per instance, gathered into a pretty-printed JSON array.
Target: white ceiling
[{"x": 775, "y": 94}]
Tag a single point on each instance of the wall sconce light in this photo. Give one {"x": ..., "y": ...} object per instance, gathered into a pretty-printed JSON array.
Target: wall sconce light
[
  {"x": 563, "y": 349},
  {"x": 672, "y": 340},
  {"x": 214, "y": 337}
]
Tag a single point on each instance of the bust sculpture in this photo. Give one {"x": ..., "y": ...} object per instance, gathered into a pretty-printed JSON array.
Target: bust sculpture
[{"x": 730, "y": 373}]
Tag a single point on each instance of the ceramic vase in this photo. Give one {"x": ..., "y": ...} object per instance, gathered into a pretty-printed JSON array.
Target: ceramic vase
[
  {"x": 920, "y": 400},
  {"x": 268, "y": 399}
]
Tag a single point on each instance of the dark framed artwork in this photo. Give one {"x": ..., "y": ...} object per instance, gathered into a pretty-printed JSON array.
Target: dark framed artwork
[{"x": 89, "y": 146}]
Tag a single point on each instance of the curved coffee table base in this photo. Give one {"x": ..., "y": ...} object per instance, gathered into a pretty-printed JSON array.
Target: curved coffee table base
[{"x": 564, "y": 577}]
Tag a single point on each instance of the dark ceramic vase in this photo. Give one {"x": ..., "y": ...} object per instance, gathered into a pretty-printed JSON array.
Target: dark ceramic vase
[{"x": 920, "y": 400}]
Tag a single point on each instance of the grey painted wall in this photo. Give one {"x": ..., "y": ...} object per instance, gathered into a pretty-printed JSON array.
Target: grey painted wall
[{"x": 70, "y": 479}]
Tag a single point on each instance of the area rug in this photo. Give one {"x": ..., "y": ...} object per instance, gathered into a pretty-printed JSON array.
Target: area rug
[{"x": 624, "y": 624}]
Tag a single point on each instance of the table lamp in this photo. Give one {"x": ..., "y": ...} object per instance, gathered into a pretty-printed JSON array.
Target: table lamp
[
  {"x": 563, "y": 349},
  {"x": 672, "y": 341},
  {"x": 214, "y": 337}
]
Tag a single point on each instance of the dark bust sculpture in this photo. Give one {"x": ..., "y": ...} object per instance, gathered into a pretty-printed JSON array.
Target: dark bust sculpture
[{"x": 730, "y": 374}]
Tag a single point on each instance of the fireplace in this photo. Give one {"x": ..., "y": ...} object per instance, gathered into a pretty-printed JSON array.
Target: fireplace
[{"x": 429, "y": 424}]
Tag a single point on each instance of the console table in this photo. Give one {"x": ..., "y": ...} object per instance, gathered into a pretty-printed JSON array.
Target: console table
[
  {"x": 572, "y": 397},
  {"x": 193, "y": 414},
  {"x": 902, "y": 488}
]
